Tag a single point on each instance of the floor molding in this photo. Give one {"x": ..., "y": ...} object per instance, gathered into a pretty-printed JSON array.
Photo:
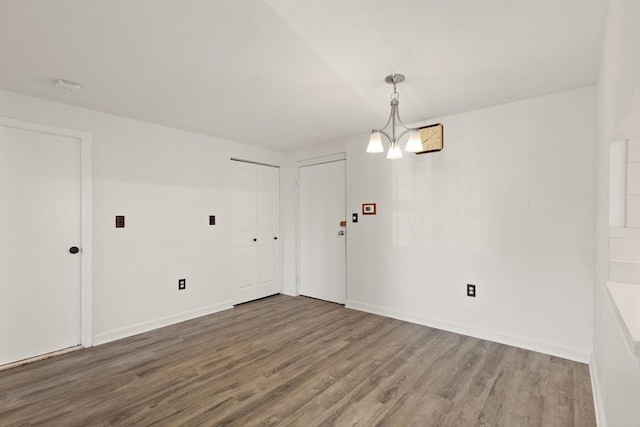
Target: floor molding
[
  {"x": 597, "y": 396},
  {"x": 40, "y": 357},
  {"x": 499, "y": 337},
  {"x": 128, "y": 331}
]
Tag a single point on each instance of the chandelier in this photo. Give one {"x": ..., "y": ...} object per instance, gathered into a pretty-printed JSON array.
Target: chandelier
[{"x": 414, "y": 144}]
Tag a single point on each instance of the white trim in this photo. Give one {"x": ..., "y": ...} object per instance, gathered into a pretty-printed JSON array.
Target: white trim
[
  {"x": 40, "y": 357},
  {"x": 598, "y": 404},
  {"x": 296, "y": 288},
  {"x": 86, "y": 183},
  {"x": 319, "y": 160},
  {"x": 86, "y": 164},
  {"x": 234, "y": 159},
  {"x": 495, "y": 336},
  {"x": 150, "y": 325}
]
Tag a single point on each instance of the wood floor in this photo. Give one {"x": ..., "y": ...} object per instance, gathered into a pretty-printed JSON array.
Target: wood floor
[{"x": 298, "y": 362}]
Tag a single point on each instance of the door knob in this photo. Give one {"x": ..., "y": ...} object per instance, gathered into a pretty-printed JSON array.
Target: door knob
[
  {"x": 74, "y": 249},
  {"x": 341, "y": 233},
  {"x": 275, "y": 238},
  {"x": 255, "y": 240}
]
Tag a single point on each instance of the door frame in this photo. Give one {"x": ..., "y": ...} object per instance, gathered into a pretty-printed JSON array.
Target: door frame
[
  {"x": 330, "y": 158},
  {"x": 86, "y": 184}
]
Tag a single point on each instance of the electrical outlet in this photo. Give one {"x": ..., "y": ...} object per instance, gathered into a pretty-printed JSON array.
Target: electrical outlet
[
  {"x": 471, "y": 290},
  {"x": 354, "y": 217},
  {"x": 212, "y": 220},
  {"x": 182, "y": 284},
  {"x": 119, "y": 221}
]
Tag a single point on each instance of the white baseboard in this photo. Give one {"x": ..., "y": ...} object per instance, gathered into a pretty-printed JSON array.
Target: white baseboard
[
  {"x": 138, "y": 328},
  {"x": 597, "y": 396},
  {"x": 499, "y": 337}
]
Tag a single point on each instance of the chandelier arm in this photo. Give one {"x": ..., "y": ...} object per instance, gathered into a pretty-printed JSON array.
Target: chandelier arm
[
  {"x": 400, "y": 120},
  {"x": 404, "y": 133},
  {"x": 391, "y": 141},
  {"x": 388, "y": 120}
]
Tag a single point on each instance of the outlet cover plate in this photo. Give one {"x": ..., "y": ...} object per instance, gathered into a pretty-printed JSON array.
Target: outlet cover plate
[
  {"x": 182, "y": 284},
  {"x": 471, "y": 290}
]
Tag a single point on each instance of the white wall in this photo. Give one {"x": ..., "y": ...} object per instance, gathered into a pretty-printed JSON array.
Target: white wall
[
  {"x": 617, "y": 372},
  {"x": 507, "y": 205},
  {"x": 166, "y": 182}
]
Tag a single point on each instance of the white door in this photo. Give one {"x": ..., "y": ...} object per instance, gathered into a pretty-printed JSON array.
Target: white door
[
  {"x": 322, "y": 240},
  {"x": 40, "y": 220},
  {"x": 255, "y": 224},
  {"x": 268, "y": 194},
  {"x": 244, "y": 220}
]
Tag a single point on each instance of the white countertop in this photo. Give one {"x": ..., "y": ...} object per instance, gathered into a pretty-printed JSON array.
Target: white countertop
[{"x": 626, "y": 299}]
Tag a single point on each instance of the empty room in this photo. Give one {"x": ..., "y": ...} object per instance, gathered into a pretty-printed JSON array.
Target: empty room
[{"x": 305, "y": 213}]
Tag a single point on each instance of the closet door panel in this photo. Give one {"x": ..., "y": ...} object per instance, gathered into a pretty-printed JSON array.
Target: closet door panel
[
  {"x": 244, "y": 226},
  {"x": 268, "y": 191},
  {"x": 255, "y": 222}
]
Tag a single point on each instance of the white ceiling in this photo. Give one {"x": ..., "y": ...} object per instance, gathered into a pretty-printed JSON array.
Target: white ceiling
[{"x": 284, "y": 74}]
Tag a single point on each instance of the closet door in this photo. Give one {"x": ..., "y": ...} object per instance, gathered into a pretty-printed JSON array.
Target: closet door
[
  {"x": 268, "y": 191},
  {"x": 255, "y": 224},
  {"x": 244, "y": 224}
]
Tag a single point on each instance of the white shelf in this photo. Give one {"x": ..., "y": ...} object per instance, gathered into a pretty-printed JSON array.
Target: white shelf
[
  {"x": 626, "y": 301},
  {"x": 624, "y": 233}
]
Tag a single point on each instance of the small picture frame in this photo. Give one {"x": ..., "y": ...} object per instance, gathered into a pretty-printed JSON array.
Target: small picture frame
[{"x": 368, "y": 209}]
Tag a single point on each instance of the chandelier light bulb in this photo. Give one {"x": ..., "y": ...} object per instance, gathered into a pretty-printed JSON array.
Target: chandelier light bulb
[
  {"x": 414, "y": 145},
  {"x": 394, "y": 152},
  {"x": 375, "y": 143}
]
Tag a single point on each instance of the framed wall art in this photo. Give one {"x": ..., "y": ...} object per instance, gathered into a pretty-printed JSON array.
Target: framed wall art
[
  {"x": 368, "y": 209},
  {"x": 432, "y": 138}
]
